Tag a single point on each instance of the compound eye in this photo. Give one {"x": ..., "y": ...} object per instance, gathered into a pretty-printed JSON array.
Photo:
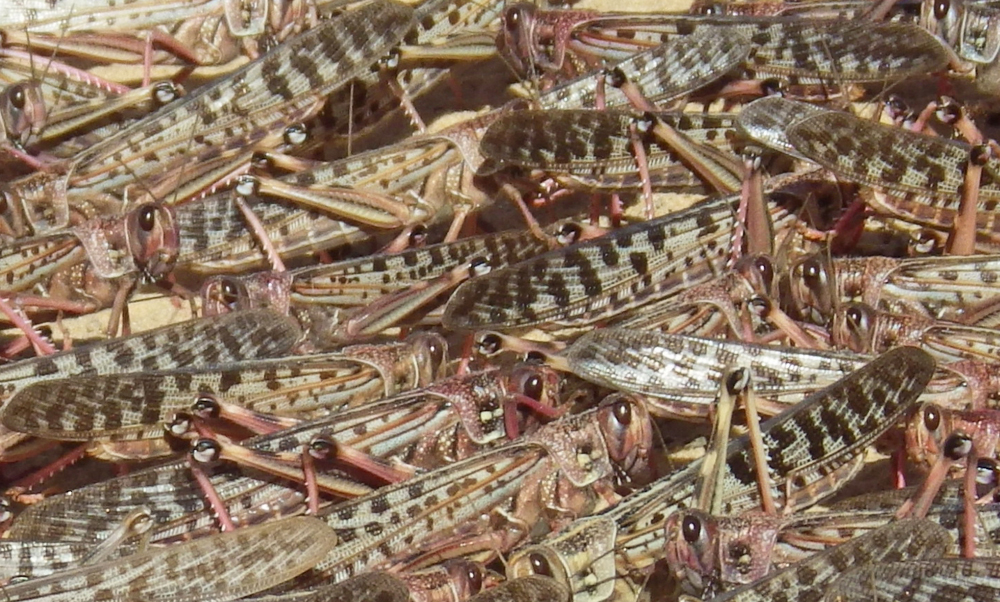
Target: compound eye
[
  {"x": 17, "y": 96},
  {"x": 855, "y": 316},
  {"x": 941, "y": 9},
  {"x": 515, "y": 17},
  {"x": 147, "y": 218},
  {"x": 622, "y": 411},
  {"x": 230, "y": 293},
  {"x": 435, "y": 350},
  {"x": 475, "y": 579},
  {"x": 623, "y": 434},
  {"x": 540, "y": 565},
  {"x": 691, "y": 529},
  {"x": 533, "y": 387},
  {"x": 932, "y": 417},
  {"x": 764, "y": 267},
  {"x": 152, "y": 238},
  {"x": 812, "y": 272}
]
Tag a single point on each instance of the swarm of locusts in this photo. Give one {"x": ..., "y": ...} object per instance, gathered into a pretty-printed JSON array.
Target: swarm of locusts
[{"x": 497, "y": 301}]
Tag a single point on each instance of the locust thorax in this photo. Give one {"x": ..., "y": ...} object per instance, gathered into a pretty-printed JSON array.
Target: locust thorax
[
  {"x": 36, "y": 205},
  {"x": 536, "y": 382}
]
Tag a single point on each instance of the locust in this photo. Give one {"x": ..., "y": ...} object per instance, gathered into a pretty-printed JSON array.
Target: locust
[
  {"x": 825, "y": 50},
  {"x": 494, "y": 479},
  {"x": 361, "y": 297},
  {"x": 942, "y": 184},
  {"x": 133, "y": 406},
  {"x": 257, "y": 558},
  {"x": 427, "y": 428},
  {"x": 975, "y": 580},
  {"x": 203, "y": 342},
  {"x": 947, "y": 288},
  {"x": 198, "y": 31},
  {"x": 604, "y": 277},
  {"x": 899, "y": 541}
]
